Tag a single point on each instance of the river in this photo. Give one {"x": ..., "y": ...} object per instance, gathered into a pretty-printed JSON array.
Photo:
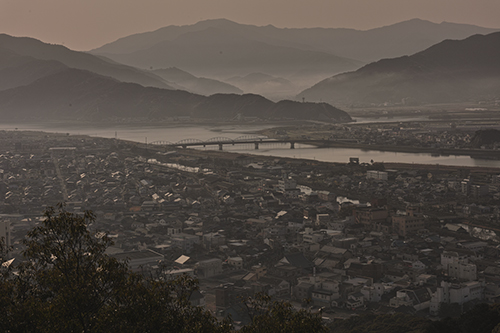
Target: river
[{"x": 151, "y": 133}]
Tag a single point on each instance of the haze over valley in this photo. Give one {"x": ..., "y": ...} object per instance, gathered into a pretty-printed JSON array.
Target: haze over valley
[
  {"x": 227, "y": 166},
  {"x": 295, "y": 58},
  {"x": 225, "y": 70},
  {"x": 451, "y": 71}
]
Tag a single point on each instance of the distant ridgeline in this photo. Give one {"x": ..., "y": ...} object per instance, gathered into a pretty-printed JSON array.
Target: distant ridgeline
[
  {"x": 452, "y": 71},
  {"x": 43, "y": 82}
]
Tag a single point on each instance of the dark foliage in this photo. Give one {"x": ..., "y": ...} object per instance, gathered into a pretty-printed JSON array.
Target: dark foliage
[
  {"x": 68, "y": 284},
  {"x": 485, "y": 137},
  {"x": 482, "y": 318},
  {"x": 396, "y": 323},
  {"x": 269, "y": 316}
]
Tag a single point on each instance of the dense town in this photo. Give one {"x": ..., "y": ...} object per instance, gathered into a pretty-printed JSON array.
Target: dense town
[{"x": 343, "y": 238}]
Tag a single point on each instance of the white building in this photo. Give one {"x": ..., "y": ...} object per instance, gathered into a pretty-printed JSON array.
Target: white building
[
  {"x": 419, "y": 299},
  {"x": 185, "y": 242},
  {"x": 287, "y": 184},
  {"x": 340, "y": 224},
  {"x": 325, "y": 290},
  {"x": 310, "y": 236},
  {"x": 462, "y": 270},
  {"x": 208, "y": 268},
  {"x": 236, "y": 262},
  {"x": 448, "y": 257},
  {"x": 401, "y": 299},
  {"x": 355, "y": 300},
  {"x": 374, "y": 174},
  {"x": 373, "y": 293},
  {"x": 322, "y": 219},
  {"x": 139, "y": 259},
  {"x": 213, "y": 240},
  {"x": 459, "y": 293}
]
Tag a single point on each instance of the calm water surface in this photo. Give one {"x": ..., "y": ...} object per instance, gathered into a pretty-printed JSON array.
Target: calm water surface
[{"x": 148, "y": 133}]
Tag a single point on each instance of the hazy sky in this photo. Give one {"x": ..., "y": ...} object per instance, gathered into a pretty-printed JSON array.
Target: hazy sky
[{"x": 86, "y": 24}]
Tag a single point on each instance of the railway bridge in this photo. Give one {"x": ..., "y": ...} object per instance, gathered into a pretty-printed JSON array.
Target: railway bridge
[{"x": 257, "y": 141}]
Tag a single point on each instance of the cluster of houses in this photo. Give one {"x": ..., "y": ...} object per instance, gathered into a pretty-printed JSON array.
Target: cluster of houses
[
  {"x": 244, "y": 225},
  {"x": 413, "y": 134}
]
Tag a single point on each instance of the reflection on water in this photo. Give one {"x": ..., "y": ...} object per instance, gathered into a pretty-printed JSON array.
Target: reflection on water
[
  {"x": 143, "y": 133},
  {"x": 342, "y": 155},
  {"x": 389, "y": 119},
  {"x": 151, "y": 133}
]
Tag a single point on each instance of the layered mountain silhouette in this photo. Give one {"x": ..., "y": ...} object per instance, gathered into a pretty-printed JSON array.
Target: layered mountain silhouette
[
  {"x": 450, "y": 71},
  {"x": 16, "y": 70},
  {"x": 197, "y": 85},
  {"x": 38, "y": 55},
  {"x": 399, "y": 39},
  {"x": 223, "y": 49},
  {"x": 43, "y": 82},
  {"x": 74, "y": 94},
  {"x": 260, "y": 83},
  {"x": 220, "y": 53}
]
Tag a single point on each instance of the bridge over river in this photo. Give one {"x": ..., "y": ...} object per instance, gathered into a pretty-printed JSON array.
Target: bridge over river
[{"x": 257, "y": 141}]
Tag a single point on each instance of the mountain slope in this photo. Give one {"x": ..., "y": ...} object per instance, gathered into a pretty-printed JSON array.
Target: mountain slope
[
  {"x": 451, "y": 71},
  {"x": 23, "y": 46},
  {"x": 391, "y": 41},
  {"x": 74, "y": 94},
  {"x": 219, "y": 52},
  {"x": 221, "y": 48},
  {"x": 197, "y": 85},
  {"x": 16, "y": 70}
]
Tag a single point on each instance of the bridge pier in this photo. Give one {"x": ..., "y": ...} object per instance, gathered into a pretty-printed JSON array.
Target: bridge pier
[
  {"x": 184, "y": 146},
  {"x": 220, "y": 146},
  {"x": 256, "y": 145},
  {"x": 292, "y": 145}
]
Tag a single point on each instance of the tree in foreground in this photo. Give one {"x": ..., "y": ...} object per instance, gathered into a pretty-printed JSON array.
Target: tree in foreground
[
  {"x": 280, "y": 317},
  {"x": 69, "y": 284}
]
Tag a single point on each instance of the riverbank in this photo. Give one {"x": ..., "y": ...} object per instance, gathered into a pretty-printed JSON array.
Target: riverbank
[
  {"x": 225, "y": 155},
  {"x": 328, "y": 151},
  {"x": 474, "y": 153}
]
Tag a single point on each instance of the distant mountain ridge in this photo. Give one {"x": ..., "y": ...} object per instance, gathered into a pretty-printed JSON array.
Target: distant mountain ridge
[
  {"x": 390, "y": 41},
  {"x": 221, "y": 52},
  {"x": 79, "y": 95},
  {"x": 16, "y": 70},
  {"x": 259, "y": 83},
  {"x": 197, "y": 85},
  {"x": 30, "y": 47},
  {"x": 450, "y": 71},
  {"x": 222, "y": 49}
]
